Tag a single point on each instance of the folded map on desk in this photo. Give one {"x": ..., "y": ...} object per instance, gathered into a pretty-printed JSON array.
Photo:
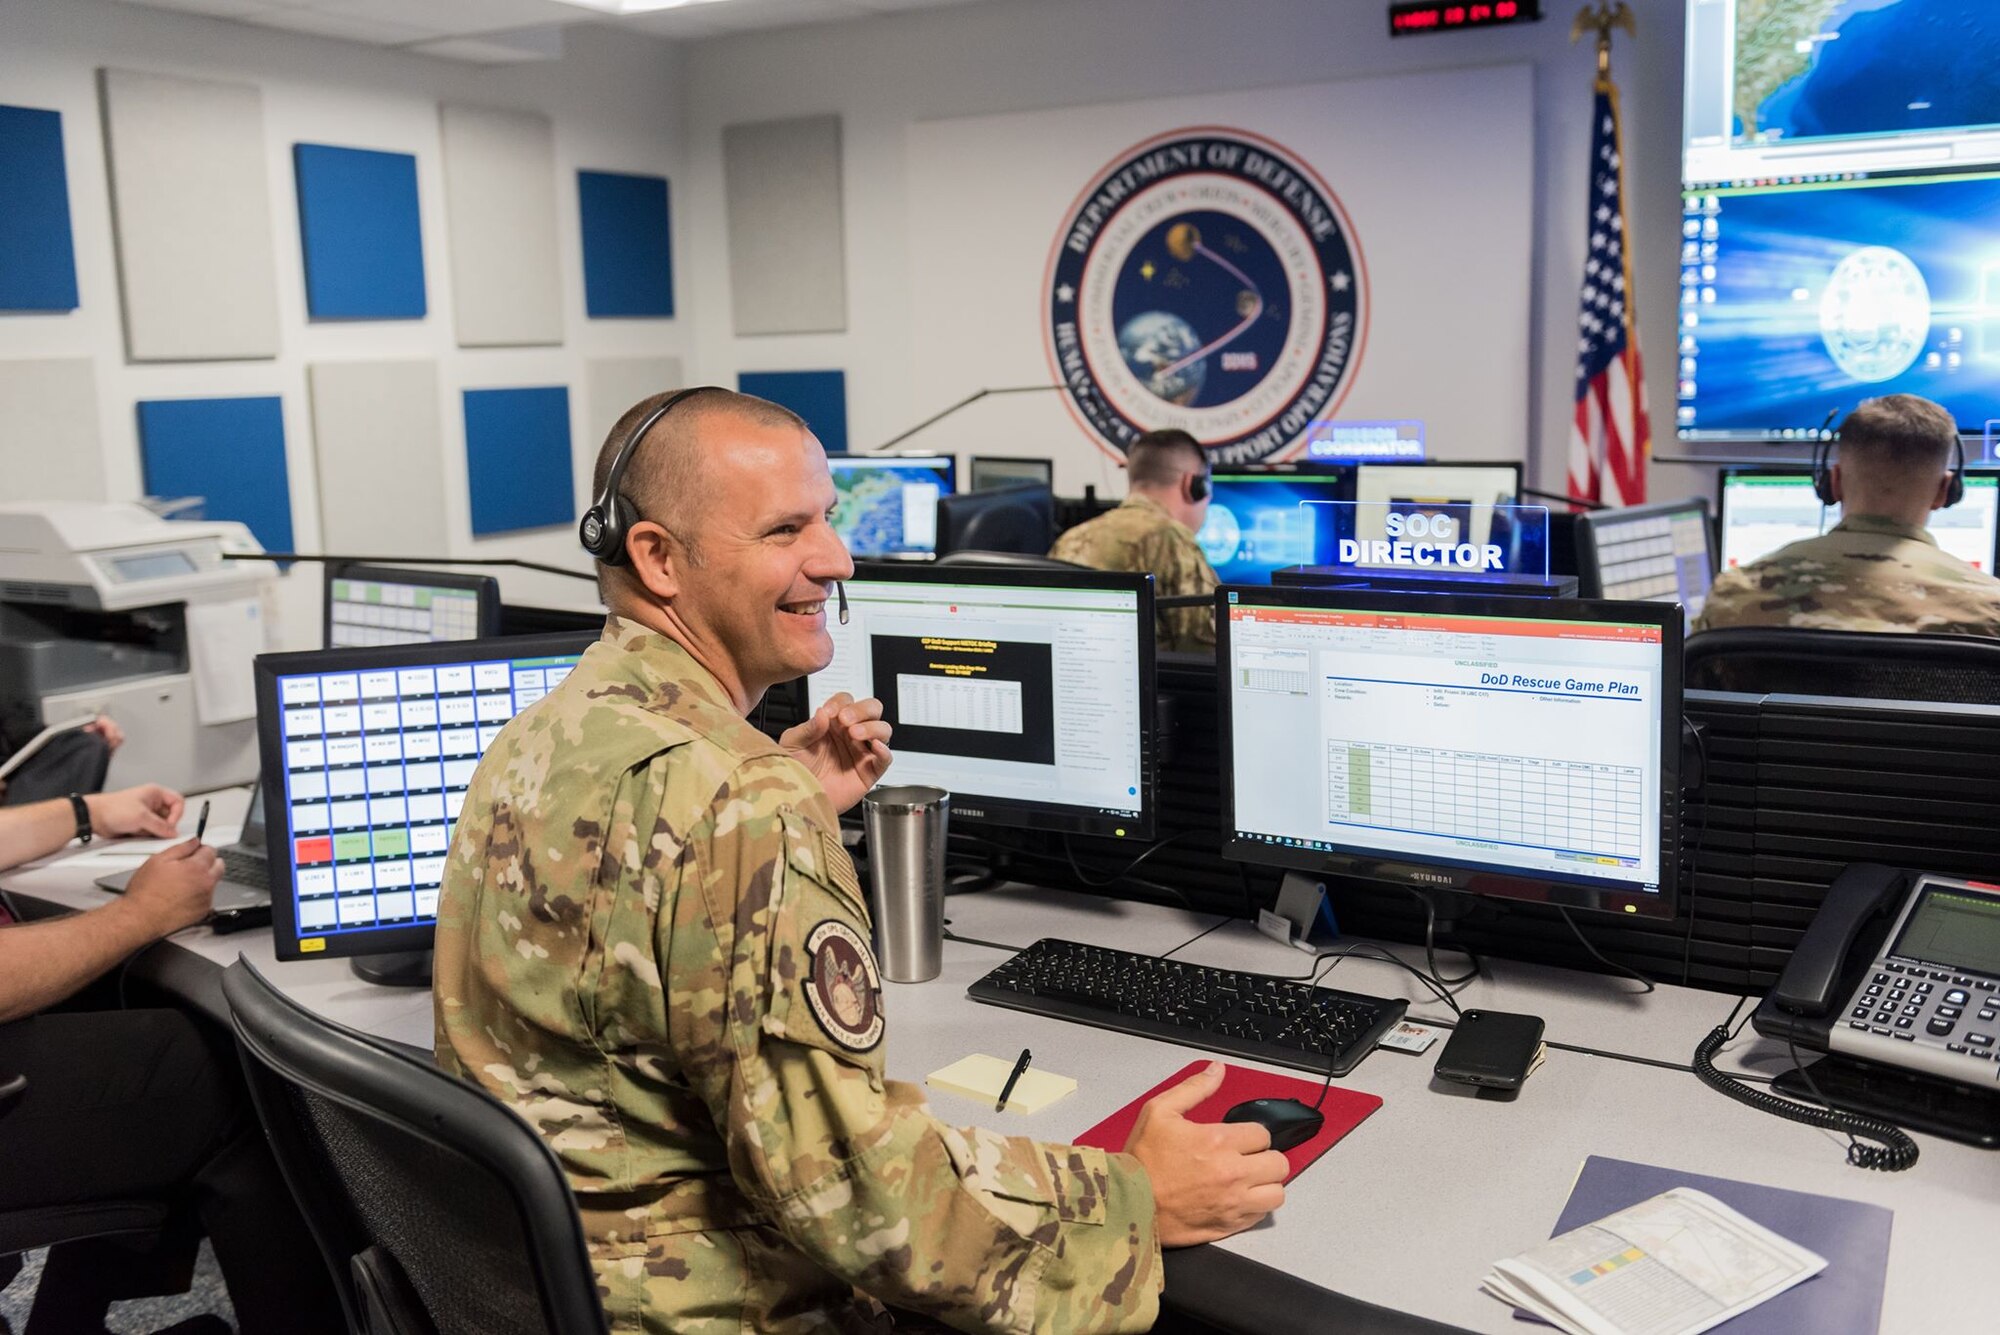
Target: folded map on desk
[
  {"x": 1344, "y": 1109},
  {"x": 1843, "y": 1299}
]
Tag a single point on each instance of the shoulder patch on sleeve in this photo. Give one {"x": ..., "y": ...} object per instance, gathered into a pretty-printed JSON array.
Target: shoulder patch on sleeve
[
  {"x": 843, "y": 986},
  {"x": 839, "y": 866}
]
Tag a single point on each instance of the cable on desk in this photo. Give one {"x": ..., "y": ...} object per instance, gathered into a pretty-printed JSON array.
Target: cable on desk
[
  {"x": 1125, "y": 873},
  {"x": 1647, "y": 983},
  {"x": 1430, "y": 943},
  {"x": 1893, "y": 1151},
  {"x": 1198, "y": 936},
  {"x": 950, "y": 935},
  {"x": 1030, "y": 855}
]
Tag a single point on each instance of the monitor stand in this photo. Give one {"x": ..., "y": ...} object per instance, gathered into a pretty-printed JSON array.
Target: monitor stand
[{"x": 401, "y": 968}]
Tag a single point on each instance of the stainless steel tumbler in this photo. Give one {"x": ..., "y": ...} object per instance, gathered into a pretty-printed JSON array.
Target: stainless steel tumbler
[{"x": 906, "y": 833}]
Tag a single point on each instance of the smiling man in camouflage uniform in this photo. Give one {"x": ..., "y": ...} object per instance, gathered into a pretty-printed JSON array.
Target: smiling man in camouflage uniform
[
  {"x": 653, "y": 947},
  {"x": 1878, "y": 569}
]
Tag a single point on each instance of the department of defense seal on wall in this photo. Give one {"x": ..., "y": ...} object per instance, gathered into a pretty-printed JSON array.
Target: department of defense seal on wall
[{"x": 1207, "y": 280}]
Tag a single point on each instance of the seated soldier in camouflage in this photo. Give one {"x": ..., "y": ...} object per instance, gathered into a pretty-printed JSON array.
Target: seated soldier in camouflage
[
  {"x": 1877, "y": 570},
  {"x": 1166, "y": 484},
  {"x": 652, "y": 945}
]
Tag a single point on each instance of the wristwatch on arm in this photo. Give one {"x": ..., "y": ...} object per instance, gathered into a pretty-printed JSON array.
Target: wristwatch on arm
[{"x": 82, "y": 810}]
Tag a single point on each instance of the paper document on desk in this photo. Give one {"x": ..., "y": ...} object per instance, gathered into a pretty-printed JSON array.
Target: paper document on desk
[
  {"x": 1676, "y": 1264},
  {"x": 41, "y": 739},
  {"x": 223, "y": 640}
]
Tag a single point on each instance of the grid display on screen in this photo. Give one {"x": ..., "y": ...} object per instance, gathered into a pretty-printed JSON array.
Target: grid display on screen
[
  {"x": 376, "y": 768},
  {"x": 366, "y": 612}
]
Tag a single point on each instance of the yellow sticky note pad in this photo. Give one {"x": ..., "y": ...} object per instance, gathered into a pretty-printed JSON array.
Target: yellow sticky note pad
[{"x": 981, "y": 1077}]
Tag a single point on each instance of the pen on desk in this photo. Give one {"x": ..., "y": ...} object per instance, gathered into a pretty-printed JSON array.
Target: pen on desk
[
  {"x": 201, "y": 822},
  {"x": 1008, "y": 1088}
]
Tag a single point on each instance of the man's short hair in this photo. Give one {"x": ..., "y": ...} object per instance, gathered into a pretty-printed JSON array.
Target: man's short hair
[
  {"x": 664, "y": 477},
  {"x": 1899, "y": 436},
  {"x": 1159, "y": 458}
]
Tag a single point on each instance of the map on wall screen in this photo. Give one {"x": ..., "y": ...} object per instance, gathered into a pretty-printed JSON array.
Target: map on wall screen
[{"x": 1812, "y": 69}]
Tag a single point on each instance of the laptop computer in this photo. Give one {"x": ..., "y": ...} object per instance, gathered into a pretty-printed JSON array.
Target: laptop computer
[{"x": 246, "y": 879}]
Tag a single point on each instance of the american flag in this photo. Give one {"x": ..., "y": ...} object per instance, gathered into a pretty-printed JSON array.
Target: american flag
[{"x": 1608, "y": 441}]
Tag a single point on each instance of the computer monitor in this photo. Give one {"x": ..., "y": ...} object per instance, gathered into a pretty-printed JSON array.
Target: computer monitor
[
  {"x": 1003, "y": 519},
  {"x": 1028, "y": 695},
  {"x": 885, "y": 505},
  {"x": 375, "y": 605},
  {"x": 1259, "y": 520},
  {"x": 1660, "y": 553},
  {"x": 1763, "y": 509},
  {"x": 367, "y": 754},
  {"x": 1503, "y": 747},
  {"x": 1472, "y": 488},
  {"x": 991, "y": 470}
]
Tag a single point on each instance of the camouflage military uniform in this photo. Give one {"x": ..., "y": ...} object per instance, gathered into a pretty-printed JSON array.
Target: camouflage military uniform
[
  {"x": 653, "y": 947},
  {"x": 1870, "y": 573},
  {"x": 1141, "y": 536}
]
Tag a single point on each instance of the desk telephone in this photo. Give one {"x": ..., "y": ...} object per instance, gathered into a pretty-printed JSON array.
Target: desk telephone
[{"x": 1898, "y": 979}]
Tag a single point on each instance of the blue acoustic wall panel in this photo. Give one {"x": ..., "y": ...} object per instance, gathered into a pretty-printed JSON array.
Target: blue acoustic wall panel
[
  {"x": 517, "y": 459},
  {"x": 230, "y": 450},
  {"x": 628, "y": 254},
  {"x": 818, "y": 396},
  {"x": 358, "y": 227},
  {"x": 37, "y": 261}
]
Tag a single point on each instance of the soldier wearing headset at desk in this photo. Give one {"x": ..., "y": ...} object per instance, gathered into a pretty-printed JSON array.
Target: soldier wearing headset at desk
[{"x": 648, "y": 921}]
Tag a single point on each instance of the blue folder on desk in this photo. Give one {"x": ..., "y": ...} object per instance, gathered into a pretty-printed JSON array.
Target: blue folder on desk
[{"x": 1853, "y": 1237}]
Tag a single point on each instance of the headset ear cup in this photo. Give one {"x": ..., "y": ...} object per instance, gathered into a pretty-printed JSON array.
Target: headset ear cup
[
  {"x": 1954, "y": 490},
  {"x": 1822, "y": 473},
  {"x": 1198, "y": 488},
  {"x": 623, "y": 515}
]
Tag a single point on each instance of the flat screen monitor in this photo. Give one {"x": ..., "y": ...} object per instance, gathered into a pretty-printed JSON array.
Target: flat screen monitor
[
  {"x": 1028, "y": 695},
  {"x": 990, "y": 470},
  {"x": 1259, "y": 520},
  {"x": 1660, "y": 553},
  {"x": 1505, "y": 747},
  {"x": 885, "y": 506},
  {"x": 374, "y": 605},
  {"x": 1764, "y": 509},
  {"x": 1019, "y": 519},
  {"x": 1838, "y": 189},
  {"x": 367, "y": 754}
]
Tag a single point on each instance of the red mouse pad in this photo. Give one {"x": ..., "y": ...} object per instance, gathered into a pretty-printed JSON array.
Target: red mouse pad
[{"x": 1344, "y": 1109}]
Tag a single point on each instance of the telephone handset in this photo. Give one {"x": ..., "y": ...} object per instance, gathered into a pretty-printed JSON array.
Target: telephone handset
[{"x": 1862, "y": 897}]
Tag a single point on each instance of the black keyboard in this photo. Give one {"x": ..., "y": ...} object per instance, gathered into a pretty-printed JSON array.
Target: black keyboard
[
  {"x": 1251, "y": 1015},
  {"x": 245, "y": 869}
]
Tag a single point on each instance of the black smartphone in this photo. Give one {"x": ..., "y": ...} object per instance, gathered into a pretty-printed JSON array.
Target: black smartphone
[{"x": 1493, "y": 1049}]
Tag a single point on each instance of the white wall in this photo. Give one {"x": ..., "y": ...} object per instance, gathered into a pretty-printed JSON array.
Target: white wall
[
  {"x": 615, "y": 99},
  {"x": 883, "y": 75}
]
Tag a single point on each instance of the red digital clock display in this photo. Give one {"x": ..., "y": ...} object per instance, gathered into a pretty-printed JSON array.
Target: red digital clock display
[{"x": 1408, "y": 19}]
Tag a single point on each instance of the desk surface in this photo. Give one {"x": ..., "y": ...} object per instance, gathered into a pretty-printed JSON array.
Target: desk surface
[{"x": 1412, "y": 1207}]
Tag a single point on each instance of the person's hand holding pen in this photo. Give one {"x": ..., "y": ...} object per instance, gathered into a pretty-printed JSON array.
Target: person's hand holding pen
[{"x": 176, "y": 888}]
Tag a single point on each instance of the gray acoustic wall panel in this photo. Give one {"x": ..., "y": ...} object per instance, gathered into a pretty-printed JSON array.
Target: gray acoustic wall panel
[
  {"x": 500, "y": 219},
  {"x": 192, "y": 208},
  {"x": 49, "y": 446},
  {"x": 614, "y": 384},
  {"x": 787, "y": 249},
  {"x": 380, "y": 456}
]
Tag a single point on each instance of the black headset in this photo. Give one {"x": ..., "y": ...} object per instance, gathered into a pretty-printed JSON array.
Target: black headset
[
  {"x": 611, "y": 516},
  {"x": 1822, "y": 473},
  {"x": 1198, "y": 487}
]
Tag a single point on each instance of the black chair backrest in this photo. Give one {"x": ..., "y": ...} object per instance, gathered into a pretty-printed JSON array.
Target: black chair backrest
[
  {"x": 1017, "y": 560},
  {"x": 1787, "y": 660},
  {"x": 409, "y": 1176}
]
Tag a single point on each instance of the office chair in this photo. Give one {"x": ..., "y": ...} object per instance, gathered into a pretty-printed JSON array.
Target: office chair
[
  {"x": 77, "y": 1286},
  {"x": 1787, "y": 660},
  {"x": 1210, "y": 1292},
  {"x": 438, "y": 1210},
  {"x": 1015, "y": 560}
]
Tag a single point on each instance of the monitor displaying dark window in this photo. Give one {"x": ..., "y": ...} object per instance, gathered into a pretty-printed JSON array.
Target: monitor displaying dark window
[
  {"x": 1660, "y": 553},
  {"x": 367, "y": 754},
  {"x": 886, "y": 505},
  {"x": 1028, "y": 695},
  {"x": 1505, "y": 747},
  {"x": 989, "y": 471},
  {"x": 376, "y": 605}
]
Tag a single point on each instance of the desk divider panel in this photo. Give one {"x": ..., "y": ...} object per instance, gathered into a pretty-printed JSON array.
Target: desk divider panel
[{"x": 1797, "y": 787}]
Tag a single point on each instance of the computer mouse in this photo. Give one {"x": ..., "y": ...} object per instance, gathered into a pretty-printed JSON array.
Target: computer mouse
[{"x": 1289, "y": 1121}]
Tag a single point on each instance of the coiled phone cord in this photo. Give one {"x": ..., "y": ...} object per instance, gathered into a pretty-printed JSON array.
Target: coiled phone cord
[{"x": 1893, "y": 1152}]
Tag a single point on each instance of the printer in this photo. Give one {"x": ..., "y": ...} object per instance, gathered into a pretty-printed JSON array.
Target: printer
[{"x": 108, "y": 608}]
